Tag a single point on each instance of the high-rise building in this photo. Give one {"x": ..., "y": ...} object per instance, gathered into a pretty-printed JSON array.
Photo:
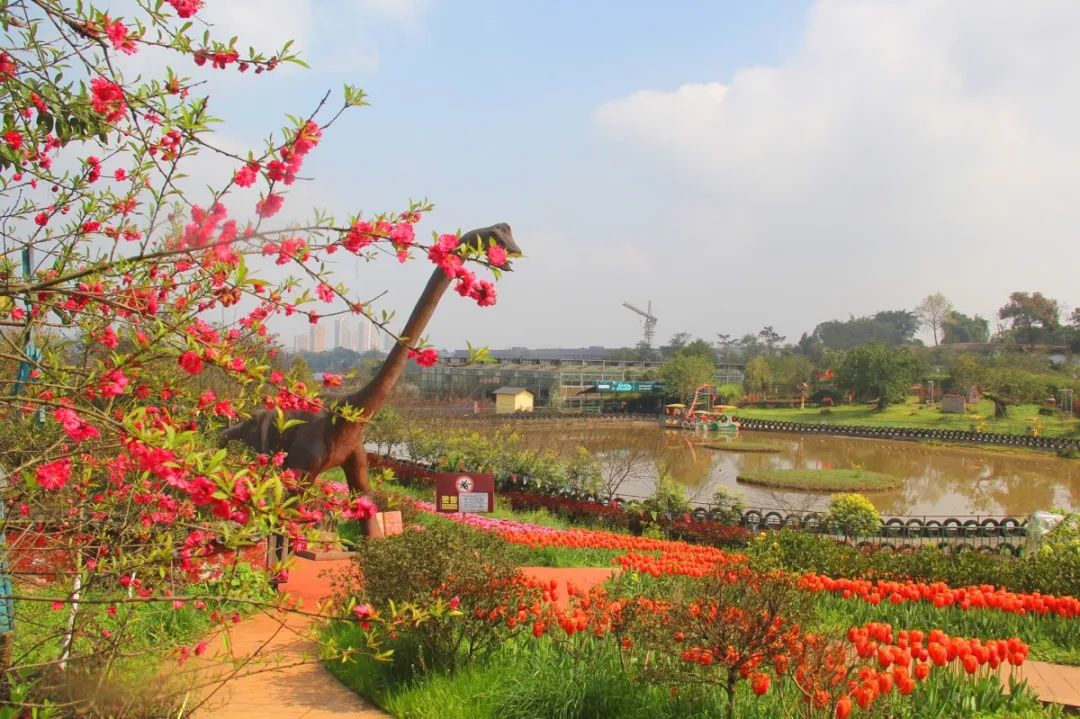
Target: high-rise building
[
  {"x": 369, "y": 336},
  {"x": 317, "y": 334},
  {"x": 301, "y": 343},
  {"x": 345, "y": 334}
]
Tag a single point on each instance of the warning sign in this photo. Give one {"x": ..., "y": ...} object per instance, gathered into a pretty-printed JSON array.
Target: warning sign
[{"x": 464, "y": 492}]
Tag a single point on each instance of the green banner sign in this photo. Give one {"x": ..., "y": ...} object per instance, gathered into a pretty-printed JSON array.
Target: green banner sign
[{"x": 615, "y": 386}]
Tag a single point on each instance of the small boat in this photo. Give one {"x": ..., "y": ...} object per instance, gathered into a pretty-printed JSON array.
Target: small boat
[
  {"x": 673, "y": 416},
  {"x": 718, "y": 419}
]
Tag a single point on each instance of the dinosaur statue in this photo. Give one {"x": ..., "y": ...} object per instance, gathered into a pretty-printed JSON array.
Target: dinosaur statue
[{"x": 324, "y": 440}]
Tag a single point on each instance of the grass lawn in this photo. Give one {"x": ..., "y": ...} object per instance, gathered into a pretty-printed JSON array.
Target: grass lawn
[
  {"x": 822, "y": 480},
  {"x": 912, "y": 414},
  {"x": 741, "y": 446}
]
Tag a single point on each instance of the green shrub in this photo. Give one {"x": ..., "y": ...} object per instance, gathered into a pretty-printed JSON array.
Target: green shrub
[
  {"x": 853, "y": 515},
  {"x": 1052, "y": 571},
  {"x": 583, "y": 472},
  {"x": 728, "y": 505},
  {"x": 475, "y": 574},
  {"x": 729, "y": 393},
  {"x": 668, "y": 497}
]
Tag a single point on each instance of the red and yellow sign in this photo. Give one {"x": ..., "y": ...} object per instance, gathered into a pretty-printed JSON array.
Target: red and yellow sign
[{"x": 464, "y": 492}]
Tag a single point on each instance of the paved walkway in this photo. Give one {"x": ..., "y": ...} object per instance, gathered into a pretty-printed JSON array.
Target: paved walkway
[
  {"x": 296, "y": 685},
  {"x": 302, "y": 689},
  {"x": 1054, "y": 683}
]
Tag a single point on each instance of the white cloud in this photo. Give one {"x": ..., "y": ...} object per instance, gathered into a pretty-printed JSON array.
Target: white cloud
[
  {"x": 904, "y": 148},
  {"x": 405, "y": 13},
  {"x": 263, "y": 24}
]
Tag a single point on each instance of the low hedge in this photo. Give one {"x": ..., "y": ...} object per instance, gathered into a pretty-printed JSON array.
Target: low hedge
[{"x": 1049, "y": 572}]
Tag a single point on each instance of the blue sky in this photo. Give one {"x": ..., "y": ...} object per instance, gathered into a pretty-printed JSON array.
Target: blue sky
[{"x": 739, "y": 164}]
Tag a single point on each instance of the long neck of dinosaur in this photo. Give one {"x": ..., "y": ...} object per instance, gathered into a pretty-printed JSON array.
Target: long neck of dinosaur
[{"x": 372, "y": 395}]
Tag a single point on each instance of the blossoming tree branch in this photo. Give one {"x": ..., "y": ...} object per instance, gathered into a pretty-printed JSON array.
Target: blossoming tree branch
[{"x": 115, "y": 380}]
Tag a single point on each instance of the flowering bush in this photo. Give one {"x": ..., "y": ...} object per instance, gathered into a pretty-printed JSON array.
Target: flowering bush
[
  {"x": 117, "y": 373},
  {"x": 853, "y": 515},
  {"x": 732, "y": 627},
  {"x": 473, "y": 574}
]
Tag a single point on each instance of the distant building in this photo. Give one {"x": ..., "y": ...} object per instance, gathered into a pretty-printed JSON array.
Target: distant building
[
  {"x": 513, "y": 399},
  {"x": 302, "y": 343},
  {"x": 317, "y": 338},
  {"x": 369, "y": 336},
  {"x": 568, "y": 378},
  {"x": 346, "y": 335}
]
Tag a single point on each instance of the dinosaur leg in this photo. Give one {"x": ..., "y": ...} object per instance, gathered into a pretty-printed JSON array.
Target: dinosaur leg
[
  {"x": 356, "y": 474},
  {"x": 355, "y": 467}
]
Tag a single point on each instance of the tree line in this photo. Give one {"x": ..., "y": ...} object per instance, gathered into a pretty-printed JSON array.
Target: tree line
[{"x": 879, "y": 358}]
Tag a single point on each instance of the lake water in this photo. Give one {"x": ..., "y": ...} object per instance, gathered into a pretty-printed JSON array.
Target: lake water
[{"x": 938, "y": 481}]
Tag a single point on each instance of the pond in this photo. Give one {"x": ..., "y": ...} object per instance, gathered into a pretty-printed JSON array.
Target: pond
[{"x": 937, "y": 480}]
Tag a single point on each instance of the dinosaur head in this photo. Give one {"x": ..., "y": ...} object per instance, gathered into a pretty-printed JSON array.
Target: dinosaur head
[{"x": 502, "y": 236}]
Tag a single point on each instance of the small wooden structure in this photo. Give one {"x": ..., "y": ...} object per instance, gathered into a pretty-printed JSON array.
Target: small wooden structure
[{"x": 513, "y": 399}]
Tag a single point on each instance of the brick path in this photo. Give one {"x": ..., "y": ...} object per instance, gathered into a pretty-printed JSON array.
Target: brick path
[
  {"x": 1054, "y": 683},
  {"x": 309, "y": 691}
]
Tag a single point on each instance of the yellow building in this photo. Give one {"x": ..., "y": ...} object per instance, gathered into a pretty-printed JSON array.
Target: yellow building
[{"x": 513, "y": 399}]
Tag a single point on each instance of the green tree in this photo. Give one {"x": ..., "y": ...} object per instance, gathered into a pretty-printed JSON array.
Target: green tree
[
  {"x": 676, "y": 343},
  {"x": 789, "y": 372},
  {"x": 893, "y": 327},
  {"x": 301, "y": 371},
  {"x": 700, "y": 348},
  {"x": 964, "y": 371},
  {"x": 958, "y": 327},
  {"x": 771, "y": 339},
  {"x": 758, "y": 375},
  {"x": 877, "y": 371},
  {"x": 1028, "y": 311},
  {"x": 684, "y": 373}
]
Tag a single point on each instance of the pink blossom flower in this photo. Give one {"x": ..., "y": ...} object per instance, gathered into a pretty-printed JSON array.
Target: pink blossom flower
[
  {"x": 54, "y": 475},
  {"x": 113, "y": 384},
  {"x": 190, "y": 362},
  {"x": 245, "y": 176},
  {"x": 361, "y": 508},
  {"x": 107, "y": 98},
  {"x": 496, "y": 255},
  {"x": 186, "y": 8},
  {"x": 118, "y": 36},
  {"x": 269, "y": 205},
  {"x": 425, "y": 358},
  {"x": 76, "y": 428}
]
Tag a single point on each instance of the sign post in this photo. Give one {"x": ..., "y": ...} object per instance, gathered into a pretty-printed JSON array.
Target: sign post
[{"x": 464, "y": 492}]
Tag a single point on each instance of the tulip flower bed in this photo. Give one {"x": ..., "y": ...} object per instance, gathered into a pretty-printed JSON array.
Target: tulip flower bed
[
  {"x": 941, "y": 595},
  {"x": 1050, "y": 624},
  {"x": 684, "y": 528},
  {"x": 729, "y": 643},
  {"x": 538, "y": 536}
]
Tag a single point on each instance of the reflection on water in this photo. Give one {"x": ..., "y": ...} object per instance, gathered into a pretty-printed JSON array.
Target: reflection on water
[{"x": 937, "y": 480}]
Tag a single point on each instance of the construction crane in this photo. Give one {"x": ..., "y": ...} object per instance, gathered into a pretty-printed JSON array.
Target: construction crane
[{"x": 650, "y": 321}]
